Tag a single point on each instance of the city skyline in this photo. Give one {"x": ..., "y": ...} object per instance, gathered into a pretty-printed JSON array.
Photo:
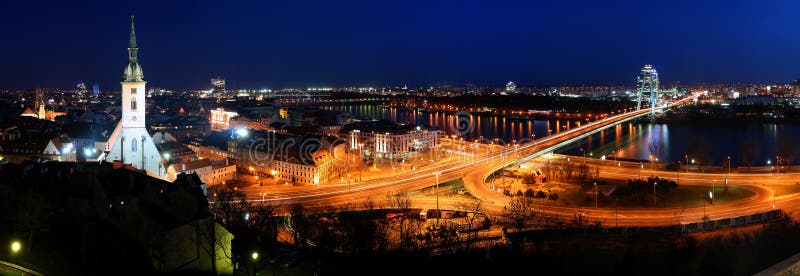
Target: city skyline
[
  {"x": 403, "y": 141},
  {"x": 385, "y": 45}
]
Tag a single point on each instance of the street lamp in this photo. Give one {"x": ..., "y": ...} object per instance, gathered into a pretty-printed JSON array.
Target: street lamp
[
  {"x": 704, "y": 206},
  {"x": 729, "y": 171},
  {"x": 254, "y": 256},
  {"x": 361, "y": 160},
  {"x": 711, "y": 196},
  {"x": 596, "y": 193},
  {"x": 438, "y": 212},
  {"x": 687, "y": 163},
  {"x": 16, "y": 246},
  {"x": 641, "y": 166},
  {"x": 713, "y": 189},
  {"x": 654, "y": 194},
  {"x": 584, "y": 155}
]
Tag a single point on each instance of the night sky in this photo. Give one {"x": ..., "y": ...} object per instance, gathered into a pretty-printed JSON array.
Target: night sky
[{"x": 295, "y": 43}]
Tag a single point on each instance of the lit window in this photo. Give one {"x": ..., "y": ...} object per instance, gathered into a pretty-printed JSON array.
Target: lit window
[{"x": 133, "y": 98}]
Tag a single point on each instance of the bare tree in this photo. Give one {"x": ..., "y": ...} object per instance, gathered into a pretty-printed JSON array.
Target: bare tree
[
  {"x": 579, "y": 219},
  {"x": 230, "y": 208},
  {"x": 787, "y": 149},
  {"x": 215, "y": 243},
  {"x": 656, "y": 149},
  {"x": 474, "y": 212},
  {"x": 697, "y": 150},
  {"x": 568, "y": 170},
  {"x": 750, "y": 151},
  {"x": 582, "y": 171},
  {"x": 518, "y": 211},
  {"x": 299, "y": 224},
  {"x": 264, "y": 220},
  {"x": 378, "y": 227},
  {"x": 402, "y": 203},
  {"x": 31, "y": 218}
]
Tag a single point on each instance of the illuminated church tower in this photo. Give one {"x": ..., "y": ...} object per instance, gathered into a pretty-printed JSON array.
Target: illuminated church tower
[{"x": 130, "y": 142}]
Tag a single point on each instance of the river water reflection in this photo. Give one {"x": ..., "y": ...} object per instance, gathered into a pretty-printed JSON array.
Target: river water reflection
[{"x": 628, "y": 140}]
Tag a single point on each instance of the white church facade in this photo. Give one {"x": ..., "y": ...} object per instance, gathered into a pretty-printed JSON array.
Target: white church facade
[{"x": 130, "y": 142}]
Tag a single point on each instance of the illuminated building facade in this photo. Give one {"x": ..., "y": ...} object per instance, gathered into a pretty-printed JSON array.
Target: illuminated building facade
[
  {"x": 130, "y": 142},
  {"x": 647, "y": 86},
  {"x": 220, "y": 119}
]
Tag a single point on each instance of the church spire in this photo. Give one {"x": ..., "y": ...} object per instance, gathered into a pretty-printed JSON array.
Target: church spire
[
  {"x": 133, "y": 72},
  {"x": 132, "y": 43}
]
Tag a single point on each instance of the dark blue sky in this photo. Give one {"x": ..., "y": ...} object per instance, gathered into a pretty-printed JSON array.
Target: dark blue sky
[{"x": 296, "y": 43}]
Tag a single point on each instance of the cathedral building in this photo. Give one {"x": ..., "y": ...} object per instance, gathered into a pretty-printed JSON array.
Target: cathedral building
[{"x": 130, "y": 142}]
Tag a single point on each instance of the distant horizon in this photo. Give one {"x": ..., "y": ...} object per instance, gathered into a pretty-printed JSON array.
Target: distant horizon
[
  {"x": 149, "y": 86},
  {"x": 418, "y": 43}
]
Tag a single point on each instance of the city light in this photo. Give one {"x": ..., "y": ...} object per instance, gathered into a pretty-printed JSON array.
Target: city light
[
  {"x": 372, "y": 138},
  {"x": 242, "y": 132},
  {"x": 16, "y": 247}
]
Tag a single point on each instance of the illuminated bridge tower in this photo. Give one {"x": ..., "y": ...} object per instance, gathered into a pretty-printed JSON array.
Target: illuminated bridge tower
[{"x": 647, "y": 83}]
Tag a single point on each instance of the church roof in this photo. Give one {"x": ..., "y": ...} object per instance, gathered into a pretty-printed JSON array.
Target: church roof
[
  {"x": 191, "y": 165},
  {"x": 28, "y": 112}
]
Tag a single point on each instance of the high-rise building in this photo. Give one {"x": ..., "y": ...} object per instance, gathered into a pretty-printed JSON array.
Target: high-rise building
[
  {"x": 217, "y": 87},
  {"x": 130, "y": 142},
  {"x": 511, "y": 88},
  {"x": 95, "y": 90},
  {"x": 647, "y": 83}
]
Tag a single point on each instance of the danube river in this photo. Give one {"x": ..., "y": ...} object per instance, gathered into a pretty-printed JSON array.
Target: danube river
[{"x": 710, "y": 141}]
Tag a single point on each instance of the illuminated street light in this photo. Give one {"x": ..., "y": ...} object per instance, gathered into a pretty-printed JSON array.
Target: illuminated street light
[
  {"x": 166, "y": 155},
  {"x": 254, "y": 256},
  {"x": 438, "y": 212},
  {"x": 728, "y": 172},
  {"x": 242, "y": 132},
  {"x": 686, "y": 157},
  {"x": 654, "y": 194},
  {"x": 16, "y": 247}
]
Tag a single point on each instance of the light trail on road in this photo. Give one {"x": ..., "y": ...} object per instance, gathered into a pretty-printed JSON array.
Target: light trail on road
[{"x": 476, "y": 169}]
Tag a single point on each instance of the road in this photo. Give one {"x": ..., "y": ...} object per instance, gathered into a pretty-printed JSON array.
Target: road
[{"x": 479, "y": 165}]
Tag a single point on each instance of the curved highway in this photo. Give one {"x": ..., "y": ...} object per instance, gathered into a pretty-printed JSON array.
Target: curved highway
[{"x": 477, "y": 167}]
